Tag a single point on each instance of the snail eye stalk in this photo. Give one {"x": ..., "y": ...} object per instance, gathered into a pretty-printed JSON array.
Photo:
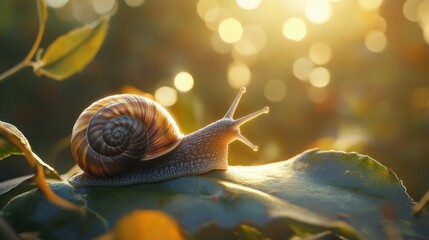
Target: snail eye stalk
[{"x": 245, "y": 119}]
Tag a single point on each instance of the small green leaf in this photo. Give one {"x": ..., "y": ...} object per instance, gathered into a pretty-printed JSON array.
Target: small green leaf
[{"x": 70, "y": 53}]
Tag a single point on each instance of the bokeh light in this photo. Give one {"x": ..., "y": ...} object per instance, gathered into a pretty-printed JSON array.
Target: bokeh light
[
  {"x": 319, "y": 77},
  {"x": 375, "y": 41},
  {"x": 294, "y": 29},
  {"x": 426, "y": 33},
  {"x": 230, "y": 30},
  {"x": 320, "y": 53},
  {"x": 83, "y": 11},
  {"x": 134, "y": 3},
  {"x": 302, "y": 67},
  {"x": 252, "y": 41},
  {"x": 183, "y": 82},
  {"x": 370, "y": 4},
  {"x": 248, "y": 4},
  {"x": 204, "y": 6},
  {"x": 410, "y": 10},
  {"x": 102, "y": 7},
  {"x": 218, "y": 45},
  {"x": 56, "y": 3},
  {"x": 423, "y": 12},
  {"x": 166, "y": 96},
  {"x": 239, "y": 75},
  {"x": 318, "y": 11},
  {"x": 275, "y": 90}
]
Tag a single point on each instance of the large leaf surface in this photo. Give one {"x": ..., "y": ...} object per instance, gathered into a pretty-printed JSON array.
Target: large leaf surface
[{"x": 311, "y": 193}]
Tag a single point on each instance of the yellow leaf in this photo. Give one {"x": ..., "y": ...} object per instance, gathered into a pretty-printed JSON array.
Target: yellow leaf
[
  {"x": 15, "y": 137},
  {"x": 145, "y": 224},
  {"x": 70, "y": 53}
]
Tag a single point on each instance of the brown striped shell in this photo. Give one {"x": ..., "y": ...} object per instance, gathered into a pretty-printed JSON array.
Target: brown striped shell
[{"x": 115, "y": 133}]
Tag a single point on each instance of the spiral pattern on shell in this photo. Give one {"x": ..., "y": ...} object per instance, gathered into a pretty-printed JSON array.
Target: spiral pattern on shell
[{"x": 115, "y": 133}]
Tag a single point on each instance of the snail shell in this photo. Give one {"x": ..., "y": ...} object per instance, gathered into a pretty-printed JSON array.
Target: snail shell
[{"x": 115, "y": 133}]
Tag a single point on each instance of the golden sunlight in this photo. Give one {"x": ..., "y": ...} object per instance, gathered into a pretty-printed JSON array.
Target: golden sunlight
[{"x": 294, "y": 29}]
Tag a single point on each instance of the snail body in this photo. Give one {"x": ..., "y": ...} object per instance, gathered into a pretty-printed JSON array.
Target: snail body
[{"x": 128, "y": 139}]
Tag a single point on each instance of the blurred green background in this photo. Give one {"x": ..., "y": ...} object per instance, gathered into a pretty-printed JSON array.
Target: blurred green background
[{"x": 347, "y": 75}]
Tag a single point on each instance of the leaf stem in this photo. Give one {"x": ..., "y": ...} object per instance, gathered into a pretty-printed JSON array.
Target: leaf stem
[{"x": 43, "y": 15}]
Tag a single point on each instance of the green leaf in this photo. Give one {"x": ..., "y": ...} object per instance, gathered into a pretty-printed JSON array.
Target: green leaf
[
  {"x": 316, "y": 192},
  {"x": 70, "y": 53}
]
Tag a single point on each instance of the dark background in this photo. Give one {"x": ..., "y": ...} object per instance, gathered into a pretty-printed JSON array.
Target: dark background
[{"x": 376, "y": 103}]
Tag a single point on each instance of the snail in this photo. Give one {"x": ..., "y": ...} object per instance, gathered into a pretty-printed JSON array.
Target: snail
[{"x": 128, "y": 139}]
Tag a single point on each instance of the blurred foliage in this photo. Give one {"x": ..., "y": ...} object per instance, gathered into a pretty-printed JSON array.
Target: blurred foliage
[{"x": 375, "y": 103}]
